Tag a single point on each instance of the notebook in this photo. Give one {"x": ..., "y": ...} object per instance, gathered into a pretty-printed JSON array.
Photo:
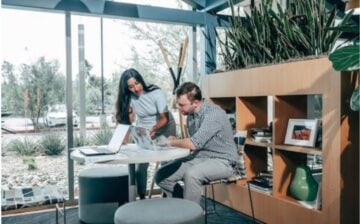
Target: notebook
[
  {"x": 114, "y": 145},
  {"x": 143, "y": 139}
]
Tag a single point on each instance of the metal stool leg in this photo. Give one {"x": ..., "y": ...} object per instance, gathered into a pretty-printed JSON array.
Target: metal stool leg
[
  {"x": 251, "y": 203},
  {"x": 56, "y": 214},
  {"x": 213, "y": 198},
  {"x": 62, "y": 211},
  {"x": 153, "y": 181},
  {"x": 206, "y": 212}
]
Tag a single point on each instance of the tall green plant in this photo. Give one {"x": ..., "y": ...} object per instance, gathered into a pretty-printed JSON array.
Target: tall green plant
[
  {"x": 102, "y": 137},
  {"x": 24, "y": 147},
  {"x": 52, "y": 144},
  {"x": 268, "y": 36},
  {"x": 80, "y": 140}
]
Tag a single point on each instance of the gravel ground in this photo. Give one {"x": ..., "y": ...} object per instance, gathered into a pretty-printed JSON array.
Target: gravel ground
[{"x": 51, "y": 170}]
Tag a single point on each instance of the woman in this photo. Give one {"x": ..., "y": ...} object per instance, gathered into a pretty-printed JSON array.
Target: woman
[{"x": 148, "y": 103}]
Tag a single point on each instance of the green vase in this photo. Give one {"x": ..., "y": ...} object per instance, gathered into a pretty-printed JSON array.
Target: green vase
[{"x": 303, "y": 186}]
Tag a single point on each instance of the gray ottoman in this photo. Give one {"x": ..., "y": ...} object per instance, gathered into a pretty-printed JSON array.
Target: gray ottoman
[
  {"x": 101, "y": 191},
  {"x": 160, "y": 211}
]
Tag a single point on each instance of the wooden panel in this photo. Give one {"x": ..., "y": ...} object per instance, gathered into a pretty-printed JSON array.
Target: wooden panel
[
  {"x": 309, "y": 77},
  {"x": 266, "y": 208},
  {"x": 331, "y": 179},
  {"x": 305, "y": 150},
  {"x": 349, "y": 152}
]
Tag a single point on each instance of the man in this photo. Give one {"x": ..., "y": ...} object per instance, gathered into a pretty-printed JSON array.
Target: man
[{"x": 214, "y": 153}]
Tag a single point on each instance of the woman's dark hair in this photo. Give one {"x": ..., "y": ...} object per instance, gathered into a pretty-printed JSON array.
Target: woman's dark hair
[
  {"x": 191, "y": 90},
  {"x": 124, "y": 94}
]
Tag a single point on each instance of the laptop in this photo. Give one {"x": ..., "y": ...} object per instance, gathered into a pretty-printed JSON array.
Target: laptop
[
  {"x": 143, "y": 139},
  {"x": 114, "y": 145}
]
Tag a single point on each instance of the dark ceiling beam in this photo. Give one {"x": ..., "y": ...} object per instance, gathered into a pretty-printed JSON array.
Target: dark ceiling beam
[
  {"x": 210, "y": 6},
  {"x": 196, "y": 4},
  {"x": 114, "y": 10},
  {"x": 214, "y": 6},
  {"x": 152, "y": 13}
]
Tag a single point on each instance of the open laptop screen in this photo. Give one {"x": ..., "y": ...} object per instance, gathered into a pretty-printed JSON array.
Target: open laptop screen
[
  {"x": 114, "y": 145},
  {"x": 118, "y": 137}
]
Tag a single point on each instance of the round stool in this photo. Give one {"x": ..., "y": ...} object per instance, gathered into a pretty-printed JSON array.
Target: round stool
[
  {"x": 101, "y": 191},
  {"x": 160, "y": 211}
]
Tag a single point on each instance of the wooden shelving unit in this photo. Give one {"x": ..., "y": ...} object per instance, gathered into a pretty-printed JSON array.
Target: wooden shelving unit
[{"x": 246, "y": 92}]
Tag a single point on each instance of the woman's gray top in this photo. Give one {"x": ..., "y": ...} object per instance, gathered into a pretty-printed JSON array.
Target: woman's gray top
[{"x": 147, "y": 108}]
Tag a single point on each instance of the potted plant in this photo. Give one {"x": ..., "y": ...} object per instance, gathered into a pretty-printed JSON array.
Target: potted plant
[
  {"x": 268, "y": 36},
  {"x": 346, "y": 57}
]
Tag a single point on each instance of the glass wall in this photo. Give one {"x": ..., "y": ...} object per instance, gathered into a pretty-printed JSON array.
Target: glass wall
[
  {"x": 33, "y": 86},
  {"x": 32, "y": 100}
]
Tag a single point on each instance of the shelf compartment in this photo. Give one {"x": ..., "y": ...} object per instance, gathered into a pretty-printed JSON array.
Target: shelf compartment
[
  {"x": 226, "y": 103},
  {"x": 286, "y": 107},
  {"x": 251, "y": 112},
  {"x": 255, "y": 160},
  {"x": 285, "y": 163}
]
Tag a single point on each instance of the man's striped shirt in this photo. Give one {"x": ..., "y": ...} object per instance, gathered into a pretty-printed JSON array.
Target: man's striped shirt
[{"x": 211, "y": 133}]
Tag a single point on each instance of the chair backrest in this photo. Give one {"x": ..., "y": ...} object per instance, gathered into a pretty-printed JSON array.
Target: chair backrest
[
  {"x": 240, "y": 141},
  {"x": 184, "y": 132},
  {"x": 183, "y": 127}
]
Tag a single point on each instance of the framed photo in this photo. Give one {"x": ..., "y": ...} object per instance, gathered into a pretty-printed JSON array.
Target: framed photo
[{"x": 302, "y": 132}]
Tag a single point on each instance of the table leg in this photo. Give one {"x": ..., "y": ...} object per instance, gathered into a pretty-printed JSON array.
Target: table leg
[{"x": 132, "y": 183}]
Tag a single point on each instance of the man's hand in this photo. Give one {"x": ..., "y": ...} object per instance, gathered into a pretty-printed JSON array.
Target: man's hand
[
  {"x": 170, "y": 140},
  {"x": 181, "y": 143},
  {"x": 162, "y": 141}
]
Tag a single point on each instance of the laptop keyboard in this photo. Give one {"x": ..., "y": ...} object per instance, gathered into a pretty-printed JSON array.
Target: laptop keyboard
[{"x": 102, "y": 150}]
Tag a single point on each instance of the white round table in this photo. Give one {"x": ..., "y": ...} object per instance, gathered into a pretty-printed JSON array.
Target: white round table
[{"x": 132, "y": 154}]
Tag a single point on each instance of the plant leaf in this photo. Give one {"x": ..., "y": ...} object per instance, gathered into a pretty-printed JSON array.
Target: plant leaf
[
  {"x": 355, "y": 99},
  {"x": 346, "y": 58},
  {"x": 346, "y": 28}
]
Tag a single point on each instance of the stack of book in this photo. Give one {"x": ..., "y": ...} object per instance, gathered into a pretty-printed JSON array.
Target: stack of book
[
  {"x": 262, "y": 182},
  {"x": 261, "y": 134}
]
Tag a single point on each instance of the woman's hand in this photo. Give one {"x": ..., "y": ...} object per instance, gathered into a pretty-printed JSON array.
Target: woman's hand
[
  {"x": 153, "y": 132},
  {"x": 163, "y": 120}
]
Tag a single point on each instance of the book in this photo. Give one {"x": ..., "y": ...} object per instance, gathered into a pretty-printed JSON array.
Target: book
[
  {"x": 258, "y": 188},
  {"x": 265, "y": 174},
  {"x": 262, "y": 139},
  {"x": 263, "y": 181},
  {"x": 260, "y": 185},
  {"x": 262, "y": 134}
]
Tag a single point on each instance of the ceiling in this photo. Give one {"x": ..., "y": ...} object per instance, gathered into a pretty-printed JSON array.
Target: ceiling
[{"x": 203, "y": 10}]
